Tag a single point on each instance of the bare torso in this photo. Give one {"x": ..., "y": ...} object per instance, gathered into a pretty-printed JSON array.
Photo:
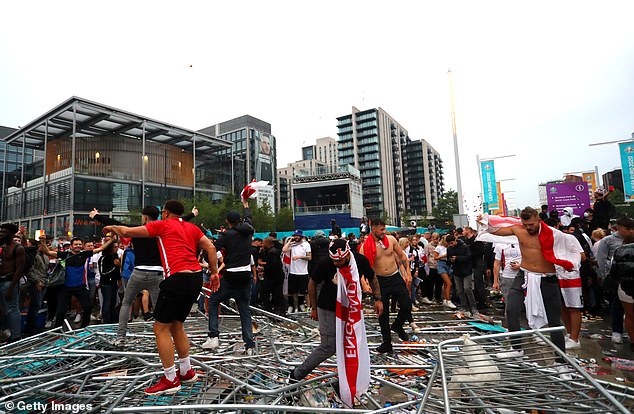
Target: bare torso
[
  {"x": 385, "y": 261},
  {"x": 532, "y": 257}
]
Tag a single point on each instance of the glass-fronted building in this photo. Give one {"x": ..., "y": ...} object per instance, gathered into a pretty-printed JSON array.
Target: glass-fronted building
[
  {"x": 83, "y": 155},
  {"x": 251, "y": 141}
]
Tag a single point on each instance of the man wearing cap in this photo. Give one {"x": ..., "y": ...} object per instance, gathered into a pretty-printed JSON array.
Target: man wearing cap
[
  {"x": 301, "y": 254},
  {"x": 12, "y": 259},
  {"x": 323, "y": 307},
  {"x": 237, "y": 280}
]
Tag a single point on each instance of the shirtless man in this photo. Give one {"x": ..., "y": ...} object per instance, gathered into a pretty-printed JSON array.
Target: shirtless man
[
  {"x": 12, "y": 261},
  {"x": 385, "y": 256},
  {"x": 532, "y": 261}
]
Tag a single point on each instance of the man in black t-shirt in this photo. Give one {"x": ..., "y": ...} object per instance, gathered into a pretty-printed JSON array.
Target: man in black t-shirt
[
  {"x": 76, "y": 281},
  {"x": 323, "y": 308}
]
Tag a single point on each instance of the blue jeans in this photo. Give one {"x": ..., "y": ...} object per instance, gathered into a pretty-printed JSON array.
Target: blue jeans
[
  {"x": 109, "y": 293},
  {"x": 12, "y": 308},
  {"x": 35, "y": 304},
  {"x": 202, "y": 298},
  {"x": 242, "y": 295}
]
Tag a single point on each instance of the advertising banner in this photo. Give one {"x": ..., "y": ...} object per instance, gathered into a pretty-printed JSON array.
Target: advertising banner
[
  {"x": 489, "y": 189},
  {"x": 626, "y": 149},
  {"x": 564, "y": 195}
]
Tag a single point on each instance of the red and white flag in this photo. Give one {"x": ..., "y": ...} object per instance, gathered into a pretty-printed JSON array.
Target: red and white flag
[
  {"x": 353, "y": 354},
  {"x": 251, "y": 190}
]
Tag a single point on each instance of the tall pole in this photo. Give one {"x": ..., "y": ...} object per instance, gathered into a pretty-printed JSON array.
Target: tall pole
[{"x": 455, "y": 143}]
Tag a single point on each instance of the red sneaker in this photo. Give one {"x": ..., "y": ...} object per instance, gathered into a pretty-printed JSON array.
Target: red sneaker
[
  {"x": 164, "y": 386},
  {"x": 190, "y": 376}
]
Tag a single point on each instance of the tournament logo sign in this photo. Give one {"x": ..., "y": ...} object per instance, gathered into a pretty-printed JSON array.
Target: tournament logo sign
[
  {"x": 627, "y": 168},
  {"x": 489, "y": 188}
]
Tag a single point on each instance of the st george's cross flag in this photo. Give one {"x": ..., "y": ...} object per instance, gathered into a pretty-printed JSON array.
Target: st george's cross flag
[
  {"x": 251, "y": 190},
  {"x": 353, "y": 355}
]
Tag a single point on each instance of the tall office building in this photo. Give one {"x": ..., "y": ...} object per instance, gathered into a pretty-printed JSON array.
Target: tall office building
[
  {"x": 376, "y": 144},
  {"x": 252, "y": 142},
  {"x": 424, "y": 178},
  {"x": 325, "y": 151}
]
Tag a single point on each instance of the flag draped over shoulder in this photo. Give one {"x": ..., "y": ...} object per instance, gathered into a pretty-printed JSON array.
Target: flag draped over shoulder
[
  {"x": 551, "y": 240},
  {"x": 369, "y": 247},
  {"x": 353, "y": 355}
]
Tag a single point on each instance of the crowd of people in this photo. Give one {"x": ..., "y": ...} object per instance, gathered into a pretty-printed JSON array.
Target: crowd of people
[{"x": 158, "y": 269}]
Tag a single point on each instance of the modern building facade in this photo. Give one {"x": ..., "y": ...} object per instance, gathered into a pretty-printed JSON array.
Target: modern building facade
[
  {"x": 424, "y": 178},
  {"x": 86, "y": 155},
  {"x": 376, "y": 144},
  {"x": 614, "y": 179},
  {"x": 252, "y": 142},
  {"x": 325, "y": 151}
]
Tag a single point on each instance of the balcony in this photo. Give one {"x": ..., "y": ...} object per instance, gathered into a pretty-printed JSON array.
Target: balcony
[{"x": 319, "y": 210}]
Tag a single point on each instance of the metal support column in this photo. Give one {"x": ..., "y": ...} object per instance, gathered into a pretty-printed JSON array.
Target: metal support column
[
  {"x": 71, "y": 216},
  {"x": 143, "y": 155},
  {"x": 44, "y": 195}
]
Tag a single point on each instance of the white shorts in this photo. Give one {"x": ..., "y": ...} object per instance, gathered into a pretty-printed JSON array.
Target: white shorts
[{"x": 624, "y": 297}]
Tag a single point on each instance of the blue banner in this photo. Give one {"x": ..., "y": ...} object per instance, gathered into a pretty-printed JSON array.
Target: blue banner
[
  {"x": 626, "y": 149},
  {"x": 489, "y": 188}
]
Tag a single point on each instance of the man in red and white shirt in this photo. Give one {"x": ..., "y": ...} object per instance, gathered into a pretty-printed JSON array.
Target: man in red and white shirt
[{"x": 178, "y": 243}]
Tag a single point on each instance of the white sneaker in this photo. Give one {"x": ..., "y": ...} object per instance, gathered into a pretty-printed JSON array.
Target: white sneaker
[
  {"x": 572, "y": 344},
  {"x": 617, "y": 338},
  {"x": 77, "y": 318},
  {"x": 426, "y": 301},
  {"x": 290, "y": 309},
  {"x": 211, "y": 343},
  {"x": 510, "y": 354},
  {"x": 93, "y": 318},
  {"x": 449, "y": 304},
  {"x": 48, "y": 324},
  {"x": 415, "y": 309},
  {"x": 415, "y": 328},
  {"x": 565, "y": 373},
  {"x": 120, "y": 341},
  {"x": 250, "y": 352}
]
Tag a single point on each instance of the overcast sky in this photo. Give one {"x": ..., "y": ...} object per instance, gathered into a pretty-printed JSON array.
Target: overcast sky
[{"x": 538, "y": 79}]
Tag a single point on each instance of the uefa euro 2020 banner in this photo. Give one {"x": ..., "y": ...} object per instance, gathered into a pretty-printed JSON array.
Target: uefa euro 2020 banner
[
  {"x": 626, "y": 149},
  {"x": 489, "y": 188}
]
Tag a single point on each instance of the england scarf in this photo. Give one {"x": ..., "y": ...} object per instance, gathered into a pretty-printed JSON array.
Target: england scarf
[{"x": 353, "y": 355}]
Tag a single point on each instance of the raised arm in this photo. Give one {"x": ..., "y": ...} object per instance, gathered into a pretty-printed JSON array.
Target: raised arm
[
  {"x": 44, "y": 248},
  {"x": 107, "y": 221},
  {"x": 124, "y": 231},
  {"x": 103, "y": 246}
]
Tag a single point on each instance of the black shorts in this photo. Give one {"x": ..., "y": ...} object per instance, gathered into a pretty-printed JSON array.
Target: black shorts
[
  {"x": 176, "y": 297},
  {"x": 297, "y": 284}
]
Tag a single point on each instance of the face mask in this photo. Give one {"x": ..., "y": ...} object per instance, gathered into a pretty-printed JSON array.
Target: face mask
[{"x": 586, "y": 215}]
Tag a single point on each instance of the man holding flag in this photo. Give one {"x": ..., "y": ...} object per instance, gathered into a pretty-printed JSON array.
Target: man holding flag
[
  {"x": 546, "y": 252},
  {"x": 339, "y": 312}
]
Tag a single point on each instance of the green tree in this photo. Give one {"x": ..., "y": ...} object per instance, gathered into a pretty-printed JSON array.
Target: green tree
[
  {"x": 623, "y": 208},
  {"x": 263, "y": 219},
  {"x": 284, "y": 220},
  {"x": 445, "y": 209}
]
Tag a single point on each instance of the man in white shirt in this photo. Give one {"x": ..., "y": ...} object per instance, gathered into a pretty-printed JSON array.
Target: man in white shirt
[{"x": 298, "y": 273}]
